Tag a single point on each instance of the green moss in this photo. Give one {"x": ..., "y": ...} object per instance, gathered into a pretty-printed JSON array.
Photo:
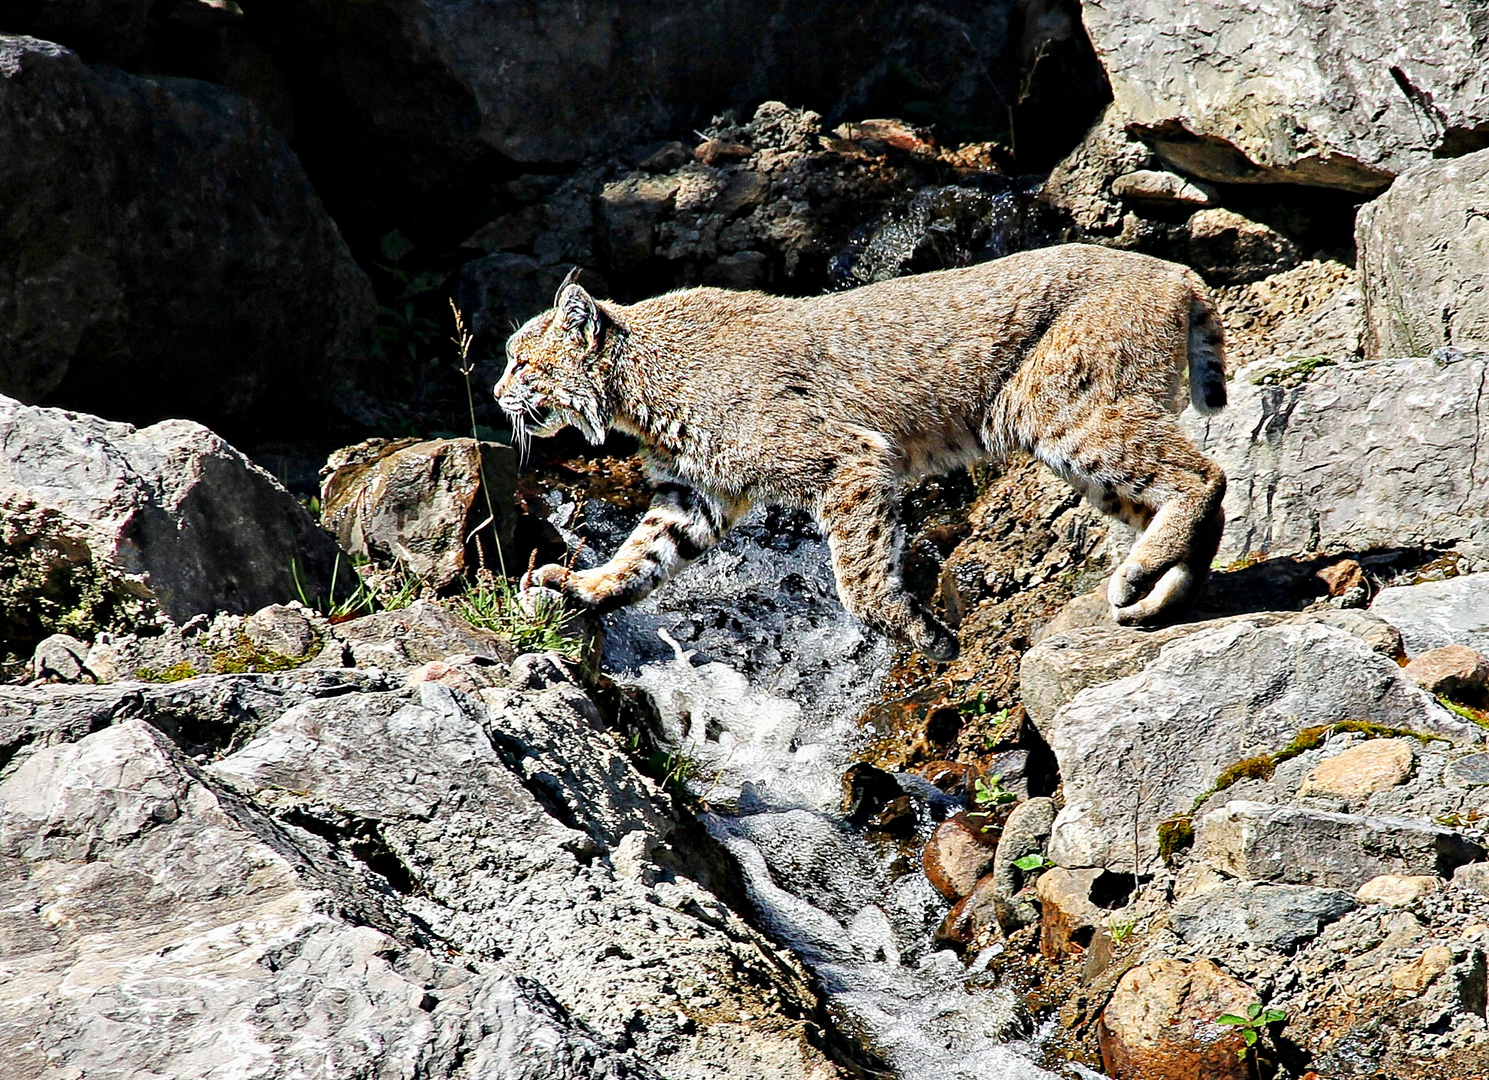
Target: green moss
[
  {"x": 1475, "y": 716},
  {"x": 1294, "y": 370},
  {"x": 174, "y": 673},
  {"x": 243, "y": 657},
  {"x": 1175, "y": 835},
  {"x": 1255, "y": 768}
]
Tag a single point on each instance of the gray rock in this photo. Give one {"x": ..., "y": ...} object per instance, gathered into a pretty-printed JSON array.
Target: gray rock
[
  {"x": 403, "y": 639},
  {"x": 1472, "y": 770},
  {"x": 1081, "y": 184},
  {"x": 137, "y": 883},
  {"x": 1236, "y": 914},
  {"x": 1224, "y": 93},
  {"x": 1353, "y": 457},
  {"x": 196, "y": 525},
  {"x": 60, "y": 658},
  {"x": 1454, "y": 611},
  {"x": 1026, "y": 832},
  {"x": 1315, "y": 847},
  {"x": 281, "y": 630},
  {"x": 1420, "y": 250},
  {"x": 465, "y": 804},
  {"x": 1138, "y": 750},
  {"x": 179, "y": 263},
  {"x": 1159, "y": 185},
  {"x": 1473, "y": 876}
]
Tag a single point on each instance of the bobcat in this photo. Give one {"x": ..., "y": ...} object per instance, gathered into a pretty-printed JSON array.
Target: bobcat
[{"x": 1075, "y": 354}]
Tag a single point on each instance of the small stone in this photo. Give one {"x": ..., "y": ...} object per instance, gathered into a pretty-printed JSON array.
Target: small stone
[
  {"x": 875, "y": 135},
  {"x": 535, "y": 671},
  {"x": 1473, "y": 876},
  {"x": 867, "y": 790},
  {"x": 1424, "y": 970},
  {"x": 1471, "y": 770},
  {"x": 631, "y": 858},
  {"x": 973, "y": 919},
  {"x": 1345, "y": 578},
  {"x": 60, "y": 658},
  {"x": 952, "y": 777},
  {"x": 718, "y": 152},
  {"x": 1394, "y": 890},
  {"x": 959, "y": 852},
  {"x": 1160, "y": 1024},
  {"x": 280, "y": 630},
  {"x": 669, "y": 156},
  {"x": 1361, "y": 770},
  {"x": 1027, "y": 832},
  {"x": 1454, "y": 671},
  {"x": 1157, "y": 185}
]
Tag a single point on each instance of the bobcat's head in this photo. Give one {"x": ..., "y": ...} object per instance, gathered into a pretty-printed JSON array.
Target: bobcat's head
[{"x": 551, "y": 379}]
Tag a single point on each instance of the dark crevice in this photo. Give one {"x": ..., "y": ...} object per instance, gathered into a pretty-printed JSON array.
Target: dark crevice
[{"x": 362, "y": 839}]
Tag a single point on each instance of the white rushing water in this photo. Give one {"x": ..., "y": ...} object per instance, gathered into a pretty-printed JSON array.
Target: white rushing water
[{"x": 759, "y": 676}]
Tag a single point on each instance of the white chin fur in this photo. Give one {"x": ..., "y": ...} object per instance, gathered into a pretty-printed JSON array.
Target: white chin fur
[{"x": 552, "y": 426}]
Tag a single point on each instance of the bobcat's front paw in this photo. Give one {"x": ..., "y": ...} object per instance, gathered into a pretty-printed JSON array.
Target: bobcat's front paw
[
  {"x": 935, "y": 641},
  {"x": 1138, "y": 593},
  {"x": 550, "y": 576}
]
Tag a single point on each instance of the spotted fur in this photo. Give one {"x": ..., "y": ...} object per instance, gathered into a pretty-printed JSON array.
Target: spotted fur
[{"x": 1075, "y": 354}]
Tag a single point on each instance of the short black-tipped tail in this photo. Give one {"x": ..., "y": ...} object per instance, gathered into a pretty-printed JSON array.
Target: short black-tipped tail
[{"x": 1206, "y": 356}]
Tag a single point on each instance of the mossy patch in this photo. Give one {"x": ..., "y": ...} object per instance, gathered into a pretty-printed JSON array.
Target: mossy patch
[
  {"x": 243, "y": 657},
  {"x": 1175, "y": 835},
  {"x": 1292, "y": 370},
  {"x": 1467, "y": 712},
  {"x": 175, "y": 673}
]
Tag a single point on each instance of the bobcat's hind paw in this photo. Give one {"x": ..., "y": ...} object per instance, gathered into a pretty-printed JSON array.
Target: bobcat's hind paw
[
  {"x": 549, "y": 576},
  {"x": 1135, "y": 596}
]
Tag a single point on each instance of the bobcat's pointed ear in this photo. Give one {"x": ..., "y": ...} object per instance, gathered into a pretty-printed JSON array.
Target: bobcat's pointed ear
[
  {"x": 571, "y": 278},
  {"x": 578, "y": 315}
]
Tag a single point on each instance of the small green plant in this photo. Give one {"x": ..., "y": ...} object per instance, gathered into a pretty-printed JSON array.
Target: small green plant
[
  {"x": 1031, "y": 863},
  {"x": 991, "y": 792},
  {"x": 1253, "y": 1024},
  {"x": 673, "y": 769},
  {"x": 534, "y": 623},
  {"x": 1122, "y": 930}
]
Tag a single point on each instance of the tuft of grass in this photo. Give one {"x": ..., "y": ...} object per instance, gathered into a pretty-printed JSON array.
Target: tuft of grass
[
  {"x": 534, "y": 624},
  {"x": 364, "y": 599}
]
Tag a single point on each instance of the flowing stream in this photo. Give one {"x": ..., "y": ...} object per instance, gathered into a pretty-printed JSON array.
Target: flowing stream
[{"x": 758, "y": 675}]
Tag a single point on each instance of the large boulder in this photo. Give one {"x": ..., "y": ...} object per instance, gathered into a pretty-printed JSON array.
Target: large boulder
[
  {"x": 1353, "y": 456},
  {"x": 408, "y": 111},
  {"x": 1435, "y": 614},
  {"x": 1160, "y": 1024},
  {"x": 1423, "y": 252},
  {"x": 171, "y": 513},
  {"x": 1139, "y": 750},
  {"x": 162, "y": 252},
  {"x": 1344, "y": 95}
]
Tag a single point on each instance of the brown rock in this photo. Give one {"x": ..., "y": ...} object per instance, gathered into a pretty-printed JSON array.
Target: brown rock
[
  {"x": 417, "y": 502},
  {"x": 1454, "y": 671},
  {"x": 973, "y": 920},
  {"x": 1228, "y": 248},
  {"x": 1395, "y": 890},
  {"x": 1361, "y": 770},
  {"x": 718, "y": 152},
  {"x": 1424, "y": 970},
  {"x": 895, "y": 133},
  {"x": 1160, "y": 1024},
  {"x": 952, "y": 777},
  {"x": 959, "y": 852},
  {"x": 1069, "y": 919},
  {"x": 1344, "y": 578}
]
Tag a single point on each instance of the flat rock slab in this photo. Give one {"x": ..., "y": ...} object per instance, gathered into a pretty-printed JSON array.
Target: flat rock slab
[
  {"x": 1472, "y": 770},
  {"x": 1236, "y": 914},
  {"x": 1423, "y": 259},
  {"x": 1223, "y": 91},
  {"x": 1358, "y": 456},
  {"x": 1139, "y": 750},
  {"x": 1300, "y": 846},
  {"x": 1454, "y": 611},
  {"x": 1362, "y": 770}
]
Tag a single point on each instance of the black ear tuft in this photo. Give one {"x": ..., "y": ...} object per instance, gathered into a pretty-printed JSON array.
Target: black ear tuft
[
  {"x": 578, "y": 315},
  {"x": 571, "y": 278}
]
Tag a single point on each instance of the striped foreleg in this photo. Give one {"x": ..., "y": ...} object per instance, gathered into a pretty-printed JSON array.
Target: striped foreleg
[{"x": 680, "y": 525}]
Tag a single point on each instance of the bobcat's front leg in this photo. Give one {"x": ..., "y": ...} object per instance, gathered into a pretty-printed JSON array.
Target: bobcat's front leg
[
  {"x": 680, "y": 525},
  {"x": 858, "y": 515}
]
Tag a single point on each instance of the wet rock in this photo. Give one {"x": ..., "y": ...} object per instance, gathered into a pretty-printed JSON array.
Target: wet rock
[
  {"x": 1160, "y": 1023},
  {"x": 1237, "y": 914},
  {"x": 1454, "y": 671},
  {"x": 1421, "y": 260},
  {"x": 1139, "y": 750},
  {"x": 874, "y": 798},
  {"x": 973, "y": 920},
  {"x": 1315, "y": 847},
  {"x": 959, "y": 852},
  {"x": 181, "y": 264},
  {"x": 401, "y": 640},
  {"x": 1394, "y": 890},
  {"x": 1354, "y": 457},
  {"x": 1228, "y": 248},
  {"x": 1361, "y": 770},
  {"x": 1026, "y": 833},
  {"x": 60, "y": 658},
  {"x": 193, "y": 524},
  {"x": 956, "y": 778},
  {"x": 1227, "y": 97},
  {"x": 1454, "y": 611},
  {"x": 1068, "y": 918},
  {"x": 423, "y": 505}
]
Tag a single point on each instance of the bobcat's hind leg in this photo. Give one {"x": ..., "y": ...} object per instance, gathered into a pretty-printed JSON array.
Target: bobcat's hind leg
[
  {"x": 1144, "y": 471},
  {"x": 858, "y": 514}
]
